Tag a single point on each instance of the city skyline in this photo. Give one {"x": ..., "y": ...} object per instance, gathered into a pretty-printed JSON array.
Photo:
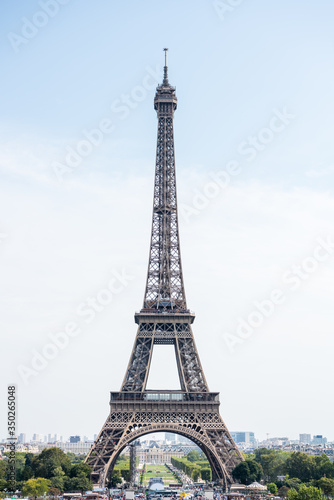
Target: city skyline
[
  {"x": 254, "y": 163},
  {"x": 54, "y": 437}
]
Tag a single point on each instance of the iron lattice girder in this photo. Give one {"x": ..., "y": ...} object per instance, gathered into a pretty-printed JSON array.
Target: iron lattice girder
[{"x": 194, "y": 415}]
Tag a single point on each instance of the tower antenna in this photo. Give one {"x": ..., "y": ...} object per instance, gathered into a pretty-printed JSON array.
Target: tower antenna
[{"x": 165, "y": 81}]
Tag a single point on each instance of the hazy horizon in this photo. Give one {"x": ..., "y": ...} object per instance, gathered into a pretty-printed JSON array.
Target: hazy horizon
[{"x": 254, "y": 164}]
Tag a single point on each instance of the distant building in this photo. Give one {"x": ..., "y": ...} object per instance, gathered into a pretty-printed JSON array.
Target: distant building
[
  {"x": 243, "y": 437},
  {"x": 278, "y": 441},
  {"x": 79, "y": 448},
  {"x": 305, "y": 438},
  {"x": 74, "y": 439},
  {"x": 37, "y": 438},
  {"x": 319, "y": 439},
  {"x": 156, "y": 454},
  {"x": 21, "y": 448},
  {"x": 21, "y": 438}
]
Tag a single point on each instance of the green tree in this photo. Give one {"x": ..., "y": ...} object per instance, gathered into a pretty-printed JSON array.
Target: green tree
[
  {"x": 3, "y": 469},
  {"x": 123, "y": 465},
  {"x": 248, "y": 471},
  {"x": 292, "y": 494},
  {"x": 305, "y": 493},
  {"x": 272, "y": 463},
  {"x": 36, "y": 487},
  {"x": 323, "y": 467},
  {"x": 272, "y": 488},
  {"x": 3, "y": 484},
  {"x": 293, "y": 482},
  {"x": 126, "y": 475},
  {"x": 57, "y": 480},
  {"x": 27, "y": 473},
  {"x": 46, "y": 462},
  {"x": 116, "y": 478},
  {"x": 80, "y": 468},
  {"x": 77, "y": 483},
  {"x": 3, "y": 475},
  {"x": 193, "y": 456},
  {"x": 20, "y": 466},
  {"x": 75, "y": 458},
  {"x": 326, "y": 485},
  {"x": 301, "y": 465},
  {"x": 206, "y": 474},
  {"x": 29, "y": 457},
  {"x": 196, "y": 473}
]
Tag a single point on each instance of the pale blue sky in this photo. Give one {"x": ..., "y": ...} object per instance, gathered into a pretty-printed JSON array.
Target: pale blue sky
[
  {"x": 229, "y": 74},
  {"x": 232, "y": 77}
]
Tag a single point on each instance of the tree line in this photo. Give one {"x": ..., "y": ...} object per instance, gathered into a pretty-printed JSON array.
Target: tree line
[
  {"x": 194, "y": 465},
  {"x": 285, "y": 471},
  {"x": 295, "y": 475},
  {"x": 52, "y": 471}
]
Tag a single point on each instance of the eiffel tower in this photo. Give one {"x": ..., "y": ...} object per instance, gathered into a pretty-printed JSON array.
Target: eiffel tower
[{"x": 164, "y": 319}]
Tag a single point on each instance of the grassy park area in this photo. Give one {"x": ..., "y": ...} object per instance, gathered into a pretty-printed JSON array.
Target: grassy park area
[{"x": 158, "y": 470}]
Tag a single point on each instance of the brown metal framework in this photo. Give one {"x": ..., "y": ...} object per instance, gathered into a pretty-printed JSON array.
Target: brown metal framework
[{"x": 164, "y": 319}]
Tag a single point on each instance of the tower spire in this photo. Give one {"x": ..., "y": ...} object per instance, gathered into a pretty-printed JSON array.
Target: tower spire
[{"x": 165, "y": 80}]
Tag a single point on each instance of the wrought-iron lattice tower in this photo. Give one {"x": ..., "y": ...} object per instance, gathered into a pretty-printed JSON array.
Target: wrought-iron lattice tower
[{"x": 164, "y": 319}]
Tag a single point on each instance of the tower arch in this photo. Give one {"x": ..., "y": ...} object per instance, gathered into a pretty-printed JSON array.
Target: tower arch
[{"x": 193, "y": 432}]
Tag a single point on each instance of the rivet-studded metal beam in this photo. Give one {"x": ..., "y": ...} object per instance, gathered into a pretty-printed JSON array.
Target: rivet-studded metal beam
[{"x": 164, "y": 319}]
